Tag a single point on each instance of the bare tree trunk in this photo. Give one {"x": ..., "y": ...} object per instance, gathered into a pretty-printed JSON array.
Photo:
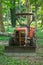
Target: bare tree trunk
[
  {"x": 12, "y": 10},
  {"x": 27, "y": 11},
  {"x": 42, "y": 19},
  {"x": 42, "y": 15},
  {"x": 1, "y": 21}
]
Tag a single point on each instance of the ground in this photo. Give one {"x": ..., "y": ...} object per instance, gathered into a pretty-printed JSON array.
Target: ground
[{"x": 27, "y": 60}]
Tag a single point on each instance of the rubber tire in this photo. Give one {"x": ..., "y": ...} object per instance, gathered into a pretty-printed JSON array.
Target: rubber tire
[{"x": 11, "y": 41}]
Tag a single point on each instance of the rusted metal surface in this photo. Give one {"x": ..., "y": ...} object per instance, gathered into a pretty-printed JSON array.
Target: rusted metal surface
[{"x": 19, "y": 51}]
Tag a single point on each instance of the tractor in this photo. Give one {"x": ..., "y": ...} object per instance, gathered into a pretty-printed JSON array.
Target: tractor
[{"x": 23, "y": 37}]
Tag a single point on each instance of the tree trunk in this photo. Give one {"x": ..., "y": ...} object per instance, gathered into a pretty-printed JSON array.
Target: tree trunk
[
  {"x": 27, "y": 11},
  {"x": 1, "y": 21},
  {"x": 42, "y": 15},
  {"x": 12, "y": 10},
  {"x": 42, "y": 20}
]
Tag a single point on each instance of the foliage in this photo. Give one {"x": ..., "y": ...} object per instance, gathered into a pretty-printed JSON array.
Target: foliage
[{"x": 20, "y": 5}]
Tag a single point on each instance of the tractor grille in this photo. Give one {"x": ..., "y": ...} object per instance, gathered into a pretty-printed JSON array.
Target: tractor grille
[{"x": 20, "y": 37}]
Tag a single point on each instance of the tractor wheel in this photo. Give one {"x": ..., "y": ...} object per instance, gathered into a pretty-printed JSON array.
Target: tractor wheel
[
  {"x": 11, "y": 41},
  {"x": 33, "y": 41}
]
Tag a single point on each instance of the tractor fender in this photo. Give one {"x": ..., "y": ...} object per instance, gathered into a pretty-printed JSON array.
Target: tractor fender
[{"x": 31, "y": 32}]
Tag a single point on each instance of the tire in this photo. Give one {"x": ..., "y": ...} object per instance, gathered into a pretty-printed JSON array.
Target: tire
[{"x": 11, "y": 41}]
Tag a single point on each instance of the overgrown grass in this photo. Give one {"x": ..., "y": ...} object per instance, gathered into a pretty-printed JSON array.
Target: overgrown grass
[
  {"x": 3, "y": 38},
  {"x": 12, "y": 61},
  {"x": 39, "y": 32},
  {"x": 7, "y": 60}
]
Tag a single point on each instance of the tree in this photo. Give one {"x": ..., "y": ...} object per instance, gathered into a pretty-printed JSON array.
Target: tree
[
  {"x": 1, "y": 21},
  {"x": 28, "y": 10},
  {"x": 42, "y": 12},
  {"x": 12, "y": 10}
]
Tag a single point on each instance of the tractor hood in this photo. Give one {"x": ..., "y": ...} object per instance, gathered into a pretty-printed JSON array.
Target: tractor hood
[{"x": 21, "y": 29}]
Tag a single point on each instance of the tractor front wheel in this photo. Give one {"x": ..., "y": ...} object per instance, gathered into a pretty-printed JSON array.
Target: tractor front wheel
[{"x": 11, "y": 41}]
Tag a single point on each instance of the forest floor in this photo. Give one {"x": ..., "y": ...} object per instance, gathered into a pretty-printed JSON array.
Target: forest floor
[{"x": 26, "y": 60}]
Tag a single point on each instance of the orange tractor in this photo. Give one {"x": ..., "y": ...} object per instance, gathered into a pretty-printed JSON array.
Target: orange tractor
[{"x": 23, "y": 37}]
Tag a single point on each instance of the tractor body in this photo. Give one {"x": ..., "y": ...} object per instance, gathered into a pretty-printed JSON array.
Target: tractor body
[{"x": 23, "y": 39}]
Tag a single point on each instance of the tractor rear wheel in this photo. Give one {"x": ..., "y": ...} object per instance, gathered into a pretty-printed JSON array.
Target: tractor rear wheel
[{"x": 33, "y": 41}]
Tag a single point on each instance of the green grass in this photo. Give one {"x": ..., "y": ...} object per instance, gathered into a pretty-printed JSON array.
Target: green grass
[
  {"x": 3, "y": 38},
  {"x": 7, "y": 60},
  {"x": 12, "y": 61},
  {"x": 39, "y": 32},
  {"x": 9, "y": 29}
]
